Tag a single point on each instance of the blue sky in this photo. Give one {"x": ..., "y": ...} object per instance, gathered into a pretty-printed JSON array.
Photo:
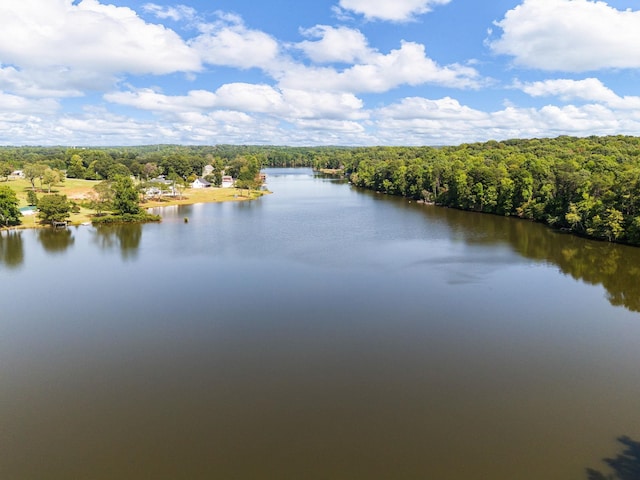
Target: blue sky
[{"x": 323, "y": 72}]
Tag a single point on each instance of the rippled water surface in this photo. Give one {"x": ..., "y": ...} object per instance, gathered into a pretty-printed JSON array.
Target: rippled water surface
[{"x": 320, "y": 332}]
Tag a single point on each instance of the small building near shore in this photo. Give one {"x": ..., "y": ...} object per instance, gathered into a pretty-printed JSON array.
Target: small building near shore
[
  {"x": 200, "y": 183},
  {"x": 227, "y": 181}
]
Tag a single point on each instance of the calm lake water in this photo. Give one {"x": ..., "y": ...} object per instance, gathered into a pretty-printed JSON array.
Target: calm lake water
[{"x": 320, "y": 332}]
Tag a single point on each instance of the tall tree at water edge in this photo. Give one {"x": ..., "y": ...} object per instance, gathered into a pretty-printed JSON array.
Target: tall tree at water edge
[
  {"x": 125, "y": 200},
  {"x": 9, "y": 211}
]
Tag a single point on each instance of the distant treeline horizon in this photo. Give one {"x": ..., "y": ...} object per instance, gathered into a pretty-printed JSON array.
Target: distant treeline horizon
[{"x": 589, "y": 186}]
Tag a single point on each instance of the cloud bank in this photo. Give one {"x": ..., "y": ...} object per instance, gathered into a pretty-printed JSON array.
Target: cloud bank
[
  {"x": 570, "y": 36},
  {"x": 88, "y": 72}
]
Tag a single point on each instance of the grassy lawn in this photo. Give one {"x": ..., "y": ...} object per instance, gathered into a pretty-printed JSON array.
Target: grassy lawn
[
  {"x": 205, "y": 195},
  {"x": 77, "y": 190}
]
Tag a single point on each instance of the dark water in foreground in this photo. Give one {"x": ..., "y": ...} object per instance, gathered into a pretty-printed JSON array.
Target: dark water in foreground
[{"x": 317, "y": 333}]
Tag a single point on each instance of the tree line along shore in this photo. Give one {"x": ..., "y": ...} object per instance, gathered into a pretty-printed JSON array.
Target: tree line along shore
[
  {"x": 42, "y": 192},
  {"x": 587, "y": 186}
]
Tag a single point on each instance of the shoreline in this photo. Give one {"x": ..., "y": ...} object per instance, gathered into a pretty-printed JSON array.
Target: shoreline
[{"x": 190, "y": 197}]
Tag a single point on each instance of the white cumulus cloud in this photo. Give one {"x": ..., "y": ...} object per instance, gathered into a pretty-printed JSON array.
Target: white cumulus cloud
[
  {"x": 150, "y": 100},
  {"x": 286, "y": 104},
  {"x": 408, "y": 65},
  {"x": 589, "y": 90},
  {"x": 323, "y": 105},
  {"x": 395, "y": 11},
  {"x": 335, "y": 44},
  {"x": 230, "y": 43},
  {"x": 89, "y": 36},
  {"x": 18, "y": 104},
  {"x": 250, "y": 98},
  {"x": 176, "y": 13},
  {"x": 443, "y": 109},
  {"x": 570, "y": 35},
  {"x": 416, "y": 121},
  {"x": 56, "y": 83}
]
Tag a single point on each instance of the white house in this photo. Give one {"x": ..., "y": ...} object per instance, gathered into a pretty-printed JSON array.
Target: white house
[
  {"x": 227, "y": 181},
  {"x": 160, "y": 186},
  {"x": 200, "y": 183}
]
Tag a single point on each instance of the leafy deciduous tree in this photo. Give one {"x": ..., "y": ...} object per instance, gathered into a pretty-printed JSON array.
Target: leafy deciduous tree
[
  {"x": 54, "y": 208},
  {"x": 5, "y": 170},
  {"x": 125, "y": 196},
  {"x": 51, "y": 178},
  {"x": 76, "y": 167},
  {"x": 101, "y": 197},
  {"x": 32, "y": 198},
  {"x": 33, "y": 171},
  {"x": 9, "y": 211}
]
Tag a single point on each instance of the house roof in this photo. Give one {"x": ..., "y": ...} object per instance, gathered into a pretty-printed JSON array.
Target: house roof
[{"x": 161, "y": 179}]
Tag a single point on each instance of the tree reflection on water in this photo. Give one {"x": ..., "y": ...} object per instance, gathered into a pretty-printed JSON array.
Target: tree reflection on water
[
  {"x": 11, "y": 249},
  {"x": 56, "y": 240},
  {"x": 625, "y": 466},
  {"x": 615, "y": 267},
  {"x": 125, "y": 237}
]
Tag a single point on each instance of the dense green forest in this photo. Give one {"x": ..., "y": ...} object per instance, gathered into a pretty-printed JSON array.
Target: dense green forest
[
  {"x": 98, "y": 163},
  {"x": 588, "y": 186}
]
